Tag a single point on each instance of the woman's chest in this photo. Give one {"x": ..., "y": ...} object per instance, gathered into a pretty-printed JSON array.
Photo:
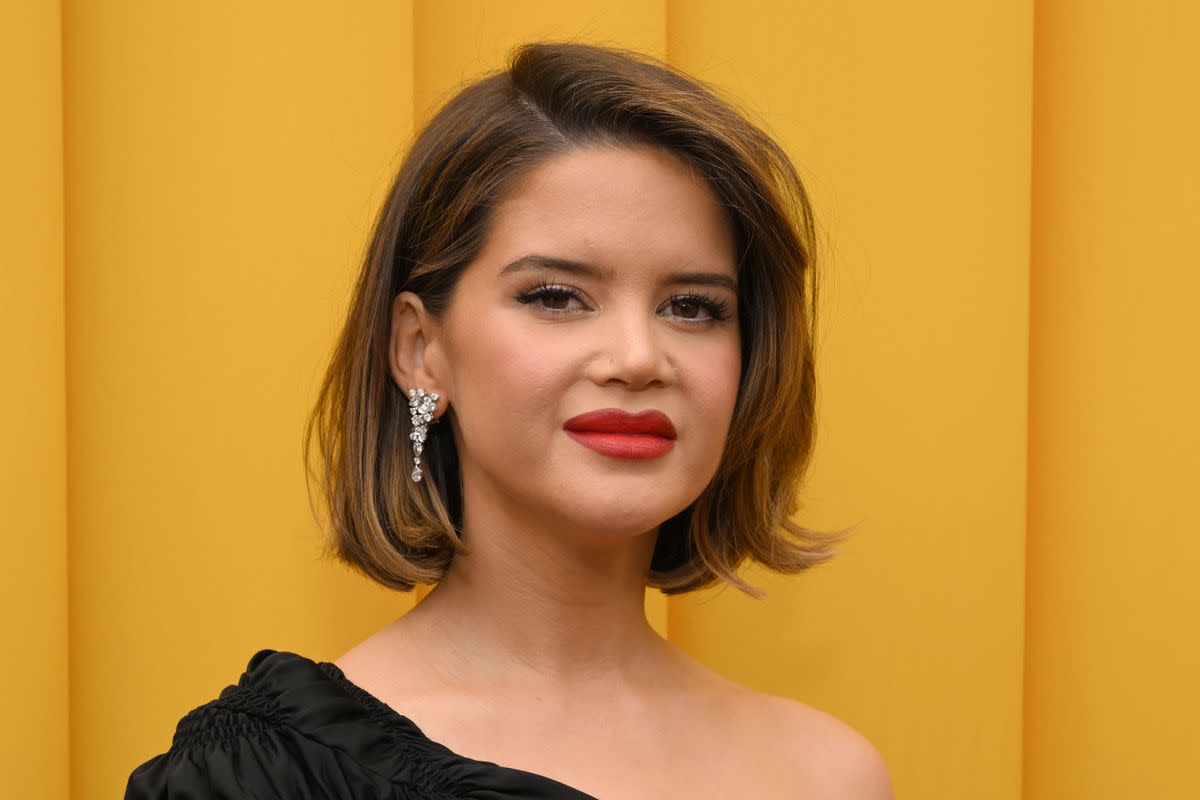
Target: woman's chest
[
  {"x": 691, "y": 777},
  {"x": 632, "y": 759}
]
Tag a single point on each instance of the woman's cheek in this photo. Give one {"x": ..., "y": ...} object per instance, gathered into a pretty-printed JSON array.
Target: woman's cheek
[
  {"x": 719, "y": 360},
  {"x": 521, "y": 359},
  {"x": 717, "y": 379},
  {"x": 522, "y": 375}
]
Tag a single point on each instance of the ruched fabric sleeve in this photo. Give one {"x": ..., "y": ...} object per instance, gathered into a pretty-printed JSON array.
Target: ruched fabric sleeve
[
  {"x": 236, "y": 748},
  {"x": 295, "y": 729}
]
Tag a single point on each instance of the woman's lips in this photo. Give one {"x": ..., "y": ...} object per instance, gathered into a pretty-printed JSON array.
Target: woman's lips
[
  {"x": 624, "y": 445},
  {"x": 617, "y": 433}
]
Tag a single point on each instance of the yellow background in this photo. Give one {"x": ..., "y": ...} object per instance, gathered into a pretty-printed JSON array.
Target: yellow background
[{"x": 1007, "y": 193}]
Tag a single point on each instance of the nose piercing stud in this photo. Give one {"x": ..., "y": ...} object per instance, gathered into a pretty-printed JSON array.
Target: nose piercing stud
[{"x": 420, "y": 405}]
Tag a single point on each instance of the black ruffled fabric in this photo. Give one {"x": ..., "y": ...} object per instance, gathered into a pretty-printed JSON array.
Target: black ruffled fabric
[{"x": 296, "y": 729}]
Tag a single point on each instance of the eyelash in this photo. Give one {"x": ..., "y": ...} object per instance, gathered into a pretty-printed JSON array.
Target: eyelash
[{"x": 718, "y": 310}]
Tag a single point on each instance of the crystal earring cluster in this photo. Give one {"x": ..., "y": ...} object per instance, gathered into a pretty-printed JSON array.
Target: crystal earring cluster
[{"x": 420, "y": 405}]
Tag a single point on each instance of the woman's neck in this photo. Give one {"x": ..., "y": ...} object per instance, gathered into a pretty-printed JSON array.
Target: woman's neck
[{"x": 530, "y": 606}]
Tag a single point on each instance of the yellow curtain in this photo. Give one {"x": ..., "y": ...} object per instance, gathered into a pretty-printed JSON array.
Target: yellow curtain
[
  {"x": 34, "y": 704},
  {"x": 1112, "y": 696},
  {"x": 1008, "y": 371}
]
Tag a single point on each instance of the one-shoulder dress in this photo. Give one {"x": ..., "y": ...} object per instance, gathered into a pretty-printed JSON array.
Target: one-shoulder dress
[{"x": 297, "y": 729}]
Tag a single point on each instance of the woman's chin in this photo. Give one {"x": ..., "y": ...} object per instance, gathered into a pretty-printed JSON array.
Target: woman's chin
[{"x": 625, "y": 519}]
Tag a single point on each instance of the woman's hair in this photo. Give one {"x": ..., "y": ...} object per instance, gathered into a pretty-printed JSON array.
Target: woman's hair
[{"x": 551, "y": 99}]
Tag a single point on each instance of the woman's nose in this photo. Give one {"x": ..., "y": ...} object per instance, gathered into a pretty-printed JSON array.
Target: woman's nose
[{"x": 631, "y": 351}]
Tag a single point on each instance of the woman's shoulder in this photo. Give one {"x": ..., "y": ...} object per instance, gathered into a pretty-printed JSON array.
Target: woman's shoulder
[
  {"x": 282, "y": 725},
  {"x": 795, "y": 748},
  {"x": 816, "y": 750}
]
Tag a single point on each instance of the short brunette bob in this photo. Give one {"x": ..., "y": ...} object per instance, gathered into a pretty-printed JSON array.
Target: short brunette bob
[{"x": 552, "y": 98}]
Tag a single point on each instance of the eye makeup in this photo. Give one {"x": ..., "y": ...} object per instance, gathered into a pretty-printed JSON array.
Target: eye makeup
[{"x": 538, "y": 293}]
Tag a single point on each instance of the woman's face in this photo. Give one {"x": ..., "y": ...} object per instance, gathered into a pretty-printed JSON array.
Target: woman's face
[{"x": 607, "y": 282}]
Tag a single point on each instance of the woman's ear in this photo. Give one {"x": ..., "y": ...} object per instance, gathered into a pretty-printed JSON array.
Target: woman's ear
[{"x": 414, "y": 349}]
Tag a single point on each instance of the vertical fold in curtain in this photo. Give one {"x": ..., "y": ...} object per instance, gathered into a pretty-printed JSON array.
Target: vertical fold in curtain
[
  {"x": 1114, "y": 444},
  {"x": 34, "y": 738}
]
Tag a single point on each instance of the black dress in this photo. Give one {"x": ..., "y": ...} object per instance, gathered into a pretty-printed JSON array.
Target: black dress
[{"x": 297, "y": 729}]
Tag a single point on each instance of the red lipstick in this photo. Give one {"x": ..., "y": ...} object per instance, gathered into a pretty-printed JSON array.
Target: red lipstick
[{"x": 617, "y": 433}]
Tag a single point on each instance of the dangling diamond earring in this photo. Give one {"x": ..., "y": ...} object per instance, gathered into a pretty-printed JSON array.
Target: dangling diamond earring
[{"x": 421, "y": 405}]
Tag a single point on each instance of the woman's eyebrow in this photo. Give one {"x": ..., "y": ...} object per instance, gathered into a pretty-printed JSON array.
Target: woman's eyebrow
[
  {"x": 700, "y": 278},
  {"x": 534, "y": 261}
]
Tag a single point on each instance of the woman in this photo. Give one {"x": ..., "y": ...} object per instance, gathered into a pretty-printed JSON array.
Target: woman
[{"x": 578, "y": 361}]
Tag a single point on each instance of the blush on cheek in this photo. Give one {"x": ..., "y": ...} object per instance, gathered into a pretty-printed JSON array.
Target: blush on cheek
[
  {"x": 512, "y": 363},
  {"x": 720, "y": 379},
  {"x": 520, "y": 363}
]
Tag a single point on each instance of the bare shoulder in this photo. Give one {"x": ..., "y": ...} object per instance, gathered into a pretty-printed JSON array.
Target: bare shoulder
[
  {"x": 825, "y": 755},
  {"x": 789, "y": 748}
]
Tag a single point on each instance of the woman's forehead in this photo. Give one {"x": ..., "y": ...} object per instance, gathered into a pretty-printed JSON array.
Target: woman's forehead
[{"x": 606, "y": 204}]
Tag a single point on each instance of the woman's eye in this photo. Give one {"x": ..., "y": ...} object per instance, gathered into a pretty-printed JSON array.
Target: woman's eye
[
  {"x": 687, "y": 309},
  {"x": 556, "y": 300},
  {"x": 549, "y": 298},
  {"x": 699, "y": 309}
]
